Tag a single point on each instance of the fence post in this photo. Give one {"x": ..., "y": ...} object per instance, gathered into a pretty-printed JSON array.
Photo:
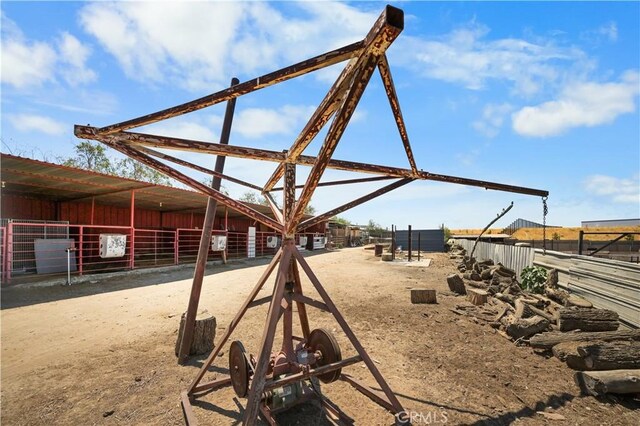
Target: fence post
[
  {"x": 176, "y": 237},
  {"x": 80, "y": 249},
  {"x": 580, "y": 240},
  {"x": 9, "y": 251},
  {"x": 409, "y": 244}
]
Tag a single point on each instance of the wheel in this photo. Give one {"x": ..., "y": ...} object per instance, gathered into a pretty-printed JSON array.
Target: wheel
[
  {"x": 239, "y": 369},
  {"x": 323, "y": 341}
]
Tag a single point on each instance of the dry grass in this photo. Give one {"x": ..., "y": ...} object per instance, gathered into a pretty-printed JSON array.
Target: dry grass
[{"x": 561, "y": 233}]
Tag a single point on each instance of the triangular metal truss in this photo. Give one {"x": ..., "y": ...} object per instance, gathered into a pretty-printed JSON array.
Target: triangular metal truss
[{"x": 337, "y": 107}]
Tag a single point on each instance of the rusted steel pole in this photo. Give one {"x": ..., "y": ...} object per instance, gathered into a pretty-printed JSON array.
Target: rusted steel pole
[
  {"x": 409, "y": 243},
  {"x": 386, "y": 29},
  {"x": 181, "y": 162},
  {"x": 343, "y": 182},
  {"x": 287, "y": 73},
  {"x": 393, "y": 242},
  {"x": 331, "y": 213},
  {"x": 87, "y": 132},
  {"x": 134, "y": 138},
  {"x": 266, "y": 344},
  {"x": 205, "y": 239},
  {"x": 387, "y": 80},
  {"x": 277, "y": 213},
  {"x": 320, "y": 117},
  {"x": 338, "y": 126},
  {"x": 289, "y": 197},
  {"x": 198, "y": 186}
]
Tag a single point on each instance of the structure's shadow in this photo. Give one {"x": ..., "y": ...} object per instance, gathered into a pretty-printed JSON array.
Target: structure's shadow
[
  {"x": 18, "y": 295},
  {"x": 554, "y": 401},
  {"x": 434, "y": 404},
  {"x": 309, "y": 413}
]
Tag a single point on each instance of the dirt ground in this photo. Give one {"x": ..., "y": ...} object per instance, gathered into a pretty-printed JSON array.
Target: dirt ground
[{"x": 103, "y": 352}]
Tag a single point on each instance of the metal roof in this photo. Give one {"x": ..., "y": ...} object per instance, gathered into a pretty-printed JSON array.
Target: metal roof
[{"x": 34, "y": 178}]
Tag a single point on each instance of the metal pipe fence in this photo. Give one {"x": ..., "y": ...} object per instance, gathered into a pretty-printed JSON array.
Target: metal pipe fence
[{"x": 60, "y": 248}]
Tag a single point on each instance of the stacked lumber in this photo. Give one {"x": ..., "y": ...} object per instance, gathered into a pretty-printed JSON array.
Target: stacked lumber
[{"x": 587, "y": 339}]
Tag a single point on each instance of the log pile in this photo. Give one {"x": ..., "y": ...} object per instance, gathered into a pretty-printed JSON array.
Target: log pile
[{"x": 587, "y": 339}]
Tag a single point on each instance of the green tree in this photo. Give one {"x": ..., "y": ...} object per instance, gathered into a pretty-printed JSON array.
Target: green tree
[
  {"x": 90, "y": 156},
  {"x": 132, "y": 169},
  {"x": 446, "y": 231},
  {"x": 253, "y": 197},
  {"x": 93, "y": 156},
  {"x": 341, "y": 220},
  {"x": 556, "y": 236},
  {"x": 374, "y": 228}
]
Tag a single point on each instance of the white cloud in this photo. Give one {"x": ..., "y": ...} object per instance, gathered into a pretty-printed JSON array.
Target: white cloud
[
  {"x": 199, "y": 45},
  {"x": 28, "y": 63},
  {"x": 255, "y": 123},
  {"x": 617, "y": 189},
  {"x": 75, "y": 55},
  {"x": 580, "y": 104},
  {"x": 467, "y": 57},
  {"x": 609, "y": 30},
  {"x": 38, "y": 123},
  {"x": 24, "y": 63},
  {"x": 492, "y": 119}
]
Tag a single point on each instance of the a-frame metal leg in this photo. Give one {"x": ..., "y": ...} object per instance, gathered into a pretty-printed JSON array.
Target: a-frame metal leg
[
  {"x": 347, "y": 330},
  {"x": 259, "y": 377},
  {"x": 235, "y": 321},
  {"x": 302, "y": 308}
]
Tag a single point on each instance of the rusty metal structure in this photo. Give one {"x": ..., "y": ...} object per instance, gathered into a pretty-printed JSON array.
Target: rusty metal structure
[{"x": 277, "y": 380}]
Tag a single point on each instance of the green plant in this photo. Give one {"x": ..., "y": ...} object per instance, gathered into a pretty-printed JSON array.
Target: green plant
[
  {"x": 533, "y": 279},
  {"x": 447, "y": 232}
]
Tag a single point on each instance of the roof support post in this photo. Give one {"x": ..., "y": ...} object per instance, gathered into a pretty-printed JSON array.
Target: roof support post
[{"x": 132, "y": 207}]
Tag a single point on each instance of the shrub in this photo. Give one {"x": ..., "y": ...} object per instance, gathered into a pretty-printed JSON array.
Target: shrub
[{"x": 533, "y": 279}]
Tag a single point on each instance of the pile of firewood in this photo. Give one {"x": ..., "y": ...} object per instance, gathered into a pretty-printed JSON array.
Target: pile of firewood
[{"x": 585, "y": 338}]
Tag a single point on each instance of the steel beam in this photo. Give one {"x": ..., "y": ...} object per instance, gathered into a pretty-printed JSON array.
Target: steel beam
[
  {"x": 344, "y": 182},
  {"x": 196, "y": 167},
  {"x": 287, "y": 73},
  {"x": 338, "y": 126},
  {"x": 387, "y": 80},
  {"x": 331, "y": 213},
  {"x": 320, "y": 117},
  {"x": 198, "y": 186},
  {"x": 86, "y": 132}
]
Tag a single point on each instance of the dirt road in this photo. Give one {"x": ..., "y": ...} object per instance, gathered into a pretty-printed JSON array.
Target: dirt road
[{"x": 102, "y": 352}]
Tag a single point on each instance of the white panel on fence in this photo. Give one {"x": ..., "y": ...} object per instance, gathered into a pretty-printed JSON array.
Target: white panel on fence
[
  {"x": 251, "y": 242},
  {"x": 516, "y": 258},
  {"x": 608, "y": 284},
  {"x": 112, "y": 245}
]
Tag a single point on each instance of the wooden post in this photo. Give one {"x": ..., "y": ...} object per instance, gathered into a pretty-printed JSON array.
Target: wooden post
[
  {"x": 613, "y": 381},
  {"x": 423, "y": 295},
  {"x": 476, "y": 296}
]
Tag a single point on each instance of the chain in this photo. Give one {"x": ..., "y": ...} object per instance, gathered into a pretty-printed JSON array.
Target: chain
[{"x": 545, "y": 211}]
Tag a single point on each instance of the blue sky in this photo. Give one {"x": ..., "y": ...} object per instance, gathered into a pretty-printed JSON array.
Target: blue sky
[{"x": 541, "y": 94}]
